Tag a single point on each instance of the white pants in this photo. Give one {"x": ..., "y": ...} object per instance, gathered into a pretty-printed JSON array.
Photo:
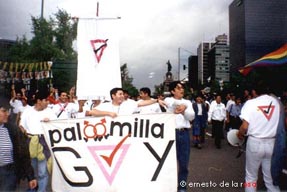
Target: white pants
[{"x": 259, "y": 152}]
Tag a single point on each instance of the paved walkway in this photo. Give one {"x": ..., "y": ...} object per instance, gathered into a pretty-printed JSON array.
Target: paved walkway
[{"x": 213, "y": 169}]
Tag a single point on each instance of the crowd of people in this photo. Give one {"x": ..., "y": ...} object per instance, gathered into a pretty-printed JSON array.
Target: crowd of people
[{"x": 193, "y": 116}]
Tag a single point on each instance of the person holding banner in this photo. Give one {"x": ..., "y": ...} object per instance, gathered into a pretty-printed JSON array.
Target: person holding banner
[
  {"x": 118, "y": 105},
  {"x": 30, "y": 124},
  {"x": 15, "y": 162},
  {"x": 65, "y": 109},
  {"x": 145, "y": 95},
  {"x": 184, "y": 114}
]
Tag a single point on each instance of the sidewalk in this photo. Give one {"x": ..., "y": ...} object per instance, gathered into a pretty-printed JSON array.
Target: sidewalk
[{"x": 213, "y": 169}]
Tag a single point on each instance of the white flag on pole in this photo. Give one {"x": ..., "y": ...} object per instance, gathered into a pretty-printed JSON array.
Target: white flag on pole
[{"x": 98, "y": 58}]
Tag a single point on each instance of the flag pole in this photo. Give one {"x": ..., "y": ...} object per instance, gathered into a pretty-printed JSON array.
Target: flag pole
[{"x": 97, "y": 14}]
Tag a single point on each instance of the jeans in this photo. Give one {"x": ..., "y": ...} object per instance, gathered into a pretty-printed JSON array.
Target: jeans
[
  {"x": 182, "y": 154},
  {"x": 8, "y": 179},
  {"x": 42, "y": 174},
  {"x": 259, "y": 152}
]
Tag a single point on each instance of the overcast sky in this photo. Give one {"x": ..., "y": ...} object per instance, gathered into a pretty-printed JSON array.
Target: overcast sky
[{"x": 151, "y": 33}]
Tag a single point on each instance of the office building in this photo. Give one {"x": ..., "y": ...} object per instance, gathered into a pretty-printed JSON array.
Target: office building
[
  {"x": 203, "y": 66},
  {"x": 218, "y": 59},
  {"x": 256, "y": 28}
]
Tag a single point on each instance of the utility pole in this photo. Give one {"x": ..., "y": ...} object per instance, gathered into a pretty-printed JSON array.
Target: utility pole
[{"x": 42, "y": 9}]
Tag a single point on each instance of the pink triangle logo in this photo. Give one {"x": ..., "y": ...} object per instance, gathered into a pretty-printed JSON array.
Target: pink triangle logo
[
  {"x": 109, "y": 160},
  {"x": 99, "y": 45},
  {"x": 267, "y": 110}
]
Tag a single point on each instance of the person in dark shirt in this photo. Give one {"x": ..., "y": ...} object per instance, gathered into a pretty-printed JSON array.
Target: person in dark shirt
[{"x": 15, "y": 162}]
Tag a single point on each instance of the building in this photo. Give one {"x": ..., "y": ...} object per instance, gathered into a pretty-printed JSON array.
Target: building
[
  {"x": 203, "y": 66},
  {"x": 193, "y": 71},
  {"x": 218, "y": 59},
  {"x": 256, "y": 28}
]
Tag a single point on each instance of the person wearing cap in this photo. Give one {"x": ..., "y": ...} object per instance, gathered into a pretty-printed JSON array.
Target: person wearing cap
[
  {"x": 182, "y": 108},
  {"x": 260, "y": 119},
  {"x": 15, "y": 162}
]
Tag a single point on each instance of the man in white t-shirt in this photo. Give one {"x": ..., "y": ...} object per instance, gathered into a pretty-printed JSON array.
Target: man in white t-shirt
[
  {"x": 65, "y": 108},
  {"x": 145, "y": 95},
  {"x": 30, "y": 124},
  {"x": 260, "y": 117},
  {"x": 119, "y": 106},
  {"x": 184, "y": 114}
]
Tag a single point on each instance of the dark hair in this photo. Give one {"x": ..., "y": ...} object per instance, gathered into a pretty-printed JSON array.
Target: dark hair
[
  {"x": 40, "y": 96},
  {"x": 173, "y": 85},
  {"x": 262, "y": 86},
  {"x": 146, "y": 90},
  {"x": 115, "y": 90}
]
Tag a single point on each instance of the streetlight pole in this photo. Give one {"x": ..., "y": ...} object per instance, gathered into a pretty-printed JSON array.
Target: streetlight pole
[
  {"x": 42, "y": 9},
  {"x": 178, "y": 75}
]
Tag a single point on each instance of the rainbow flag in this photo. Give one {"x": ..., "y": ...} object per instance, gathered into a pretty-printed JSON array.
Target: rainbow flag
[{"x": 275, "y": 58}]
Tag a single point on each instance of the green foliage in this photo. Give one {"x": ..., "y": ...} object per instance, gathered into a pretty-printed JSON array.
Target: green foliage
[
  {"x": 20, "y": 51},
  {"x": 52, "y": 41},
  {"x": 127, "y": 81}
]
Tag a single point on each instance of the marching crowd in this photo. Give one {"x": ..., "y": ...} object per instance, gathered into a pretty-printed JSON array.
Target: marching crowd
[{"x": 192, "y": 117}]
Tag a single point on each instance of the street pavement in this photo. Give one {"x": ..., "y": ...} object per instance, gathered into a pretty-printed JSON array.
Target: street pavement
[{"x": 213, "y": 169}]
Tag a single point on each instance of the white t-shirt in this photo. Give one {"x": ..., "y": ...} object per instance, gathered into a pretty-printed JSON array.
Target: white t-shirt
[
  {"x": 153, "y": 108},
  {"x": 182, "y": 121},
  {"x": 21, "y": 109},
  {"x": 31, "y": 119},
  {"x": 125, "y": 108},
  {"x": 69, "y": 109},
  {"x": 262, "y": 113},
  {"x": 16, "y": 104}
]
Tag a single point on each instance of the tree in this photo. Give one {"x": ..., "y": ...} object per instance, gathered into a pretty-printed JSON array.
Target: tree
[
  {"x": 52, "y": 41},
  {"x": 42, "y": 46},
  {"x": 127, "y": 81},
  {"x": 65, "y": 34}
]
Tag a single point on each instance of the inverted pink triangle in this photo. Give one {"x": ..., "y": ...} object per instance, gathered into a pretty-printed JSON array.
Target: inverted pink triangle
[{"x": 110, "y": 177}]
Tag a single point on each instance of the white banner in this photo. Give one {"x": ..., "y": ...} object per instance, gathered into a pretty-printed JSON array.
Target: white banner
[
  {"x": 98, "y": 58},
  {"x": 124, "y": 154}
]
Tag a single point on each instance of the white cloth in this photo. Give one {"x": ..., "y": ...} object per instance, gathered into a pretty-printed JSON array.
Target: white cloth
[
  {"x": 16, "y": 104},
  {"x": 261, "y": 124},
  {"x": 216, "y": 111},
  {"x": 153, "y": 108},
  {"x": 31, "y": 119},
  {"x": 127, "y": 107},
  {"x": 259, "y": 152},
  {"x": 182, "y": 121},
  {"x": 21, "y": 109},
  {"x": 68, "y": 111}
]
